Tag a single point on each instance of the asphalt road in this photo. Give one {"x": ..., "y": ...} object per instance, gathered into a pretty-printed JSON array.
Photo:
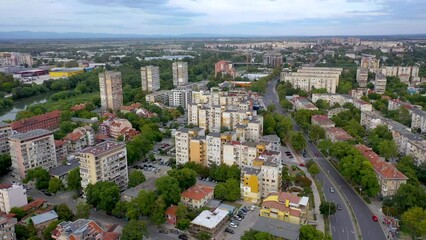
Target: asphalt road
[{"x": 341, "y": 226}]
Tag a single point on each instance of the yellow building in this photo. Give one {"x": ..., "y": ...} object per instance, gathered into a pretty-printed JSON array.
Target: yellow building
[
  {"x": 250, "y": 185},
  {"x": 197, "y": 153},
  {"x": 65, "y": 72},
  {"x": 286, "y": 207}
]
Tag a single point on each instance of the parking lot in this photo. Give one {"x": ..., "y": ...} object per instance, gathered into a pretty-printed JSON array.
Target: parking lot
[{"x": 244, "y": 225}]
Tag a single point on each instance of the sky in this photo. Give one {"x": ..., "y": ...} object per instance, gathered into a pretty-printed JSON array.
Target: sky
[{"x": 222, "y": 17}]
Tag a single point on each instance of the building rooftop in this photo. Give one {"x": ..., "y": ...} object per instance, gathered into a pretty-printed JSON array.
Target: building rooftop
[
  {"x": 322, "y": 120},
  {"x": 31, "y": 134},
  {"x": 171, "y": 211},
  {"x": 3, "y": 124},
  {"x": 65, "y": 168},
  {"x": 339, "y": 134},
  {"x": 277, "y": 228},
  {"x": 251, "y": 171},
  {"x": 197, "y": 192},
  {"x": 385, "y": 169},
  {"x": 44, "y": 217},
  {"x": 103, "y": 147},
  {"x": 271, "y": 138},
  {"x": 210, "y": 219},
  {"x": 40, "y": 118}
]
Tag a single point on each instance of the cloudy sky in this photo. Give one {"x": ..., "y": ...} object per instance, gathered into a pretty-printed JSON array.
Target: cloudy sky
[{"x": 255, "y": 17}]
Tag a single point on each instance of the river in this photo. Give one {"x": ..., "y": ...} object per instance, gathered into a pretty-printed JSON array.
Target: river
[{"x": 22, "y": 104}]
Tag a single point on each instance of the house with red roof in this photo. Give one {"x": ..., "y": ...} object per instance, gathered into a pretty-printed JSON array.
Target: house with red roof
[
  {"x": 336, "y": 134},
  {"x": 171, "y": 217},
  {"x": 389, "y": 177},
  {"x": 322, "y": 121},
  {"x": 197, "y": 196},
  {"x": 286, "y": 207}
]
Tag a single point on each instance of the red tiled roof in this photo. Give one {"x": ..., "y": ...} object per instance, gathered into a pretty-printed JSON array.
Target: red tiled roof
[
  {"x": 197, "y": 192},
  {"x": 101, "y": 137},
  {"x": 5, "y": 185},
  {"x": 283, "y": 196},
  {"x": 339, "y": 134},
  {"x": 381, "y": 167},
  {"x": 281, "y": 207},
  {"x": 171, "y": 211},
  {"x": 59, "y": 143},
  {"x": 73, "y": 137},
  {"x": 78, "y": 107},
  {"x": 34, "y": 204},
  {"x": 40, "y": 118}
]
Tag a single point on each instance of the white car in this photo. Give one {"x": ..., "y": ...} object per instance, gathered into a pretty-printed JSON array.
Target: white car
[
  {"x": 252, "y": 208},
  {"x": 233, "y": 225}
]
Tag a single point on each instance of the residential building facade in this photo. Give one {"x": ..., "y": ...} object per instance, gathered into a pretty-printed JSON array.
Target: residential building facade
[
  {"x": 111, "y": 89},
  {"x": 196, "y": 196},
  {"x": 180, "y": 73},
  {"x": 32, "y": 149},
  {"x": 106, "y": 161},
  {"x": 49, "y": 121},
  {"x": 286, "y": 207},
  {"x": 12, "y": 195},
  {"x": 7, "y": 228},
  {"x": 380, "y": 83},
  {"x": 150, "y": 77},
  {"x": 362, "y": 76},
  {"x": 5, "y": 132}
]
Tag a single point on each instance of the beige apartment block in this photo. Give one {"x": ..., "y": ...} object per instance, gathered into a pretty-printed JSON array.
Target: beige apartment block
[
  {"x": 32, "y": 149},
  {"x": 362, "y": 76},
  {"x": 182, "y": 143},
  {"x": 12, "y": 195},
  {"x": 150, "y": 78},
  {"x": 106, "y": 161},
  {"x": 180, "y": 73},
  {"x": 380, "y": 83},
  {"x": 5, "y": 132},
  {"x": 111, "y": 89},
  {"x": 7, "y": 228}
]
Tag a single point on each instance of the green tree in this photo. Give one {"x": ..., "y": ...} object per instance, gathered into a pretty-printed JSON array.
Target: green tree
[
  {"x": 157, "y": 216},
  {"x": 120, "y": 209},
  {"x": 103, "y": 195},
  {"x": 414, "y": 222},
  {"x": 309, "y": 232},
  {"x": 136, "y": 178},
  {"x": 19, "y": 212},
  {"x": 388, "y": 149},
  {"x": 142, "y": 205},
  {"x": 183, "y": 224},
  {"x": 55, "y": 185},
  {"x": 327, "y": 208},
  {"x": 5, "y": 164},
  {"x": 316, "y": 133},
  {"x": 204, "y": 236},
  {"x": 297, "y": 141},
  {"x": 83, "y": 210},
  {"x": 229, "y": 190},
  {"x": 314, "y": 169},
  {"x": 40, "y": 176},
  {"x": 64, "y": 212},
  {"x": 47, "y": 232},
  {"x": 22, "y": 232},
  {"x": 74, "y": 180},
  {"x": 408, "y": 196},
  {"x": 169, "y": 188},
  {"x": 134, "y": 230},
  {"x": 185, "y": 176}
]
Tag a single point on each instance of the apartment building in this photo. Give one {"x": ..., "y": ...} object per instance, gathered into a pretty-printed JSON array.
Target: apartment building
[
  {"x": 286, "y": 207},
  {"x": 180, "y": 97},
  {"x": 49, "y": 121},
  {"x": 380, "y": 83},
  {"x": 270, "y": 169},
  {"x": 198, "y": 150},
  {"x": 197, "y": 196},
  {"x": 111, "y": 89},
  {"x": 158, "y": 97},
  {"x": 116, "y": 127},
  {"x": 32, "y": 149},
  {"x": 210, "y": 222},
  {"x": 273, "y": 59},
  {"x": 5, "y": 132},
  {"x": 183, "y": 138},
  {"x": 341, "y": 99},
  {"x": 302, "y": 103},
  {"x": 7, "y": 228},
  {"x": 309, "y": 80},
  {"x": 12, "y": 195},
  {"x": 406, "y": 74},
  {"x": 362, "y": 76},
  {"x": 150, "y": 78},
  {"x": 214, "y": 148},
  {"x": 180, "y": 73},
  {"x": 251, "y": 186},
  {"x": 106, "y": 161},
  {"x": 370, "y": 62},
  {"x": 408, "y": 143},
  {"x": 224, "y": 67},
  {"x": 61, "y": 150},
  {"x": 84, "y": 229},
  {"x": 389, "y": 178},
  {"x": 418, "y": 116},
  {"x": 336, "y": 134}
]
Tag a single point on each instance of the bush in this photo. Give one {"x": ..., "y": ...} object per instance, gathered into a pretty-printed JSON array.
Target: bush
[{"x": 303, "y": 181}]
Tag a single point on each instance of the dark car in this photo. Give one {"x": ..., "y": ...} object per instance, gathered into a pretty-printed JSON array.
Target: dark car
[
  {"x": 174, "y": 231},
  {"x": 164, "y": 231},
  {"x": 339, "y": 207},
  {"x": 183, "y": 237},
  {"x": 240, "y": 215},
  {"x": 229, "y": 230}
]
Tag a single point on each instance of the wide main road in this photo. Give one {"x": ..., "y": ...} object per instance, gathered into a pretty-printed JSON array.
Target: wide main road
[{"x": 341, "y": 223}]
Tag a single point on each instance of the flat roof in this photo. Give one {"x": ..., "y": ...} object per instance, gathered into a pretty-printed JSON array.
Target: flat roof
[
  {"x": 277, "y": 228},
  {"x": 44, "y": 217},
  {"x": 103, "y": 147},
  {"x": 210, "y": 219},
  {"x": 31, "y": 134},
  {"x": 65, "y": 168}
]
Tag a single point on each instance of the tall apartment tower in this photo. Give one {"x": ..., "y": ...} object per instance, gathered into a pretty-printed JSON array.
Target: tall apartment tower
[
  {"x": 111, "y": 90},
  {"x": 380, "y": 83},
  {"x": 180, "y": 73},
  {"x": 150, "y": 77},
  {"x": 5, "y": 132},
  {"x": 32, "y": 149},
  {"x": 107, "y": 161}
]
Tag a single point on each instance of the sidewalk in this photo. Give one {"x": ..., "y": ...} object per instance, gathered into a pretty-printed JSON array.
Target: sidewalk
[
  {"x": 376, "y": 207},
  {"x": 317, "y": 199}
]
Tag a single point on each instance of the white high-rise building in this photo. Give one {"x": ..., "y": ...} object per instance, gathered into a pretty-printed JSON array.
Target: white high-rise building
[
  {"x": 12, "y": 195},
  {"x": 180, "y": 97},
  {"x": 32, "y": 149},
  {"x": 180, "y": 73},
  {"x": 111, "y": 89},
  {"x": 150, "y": 77}
]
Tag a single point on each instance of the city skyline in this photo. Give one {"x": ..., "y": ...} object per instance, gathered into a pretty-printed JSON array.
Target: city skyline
[{"x": 236, "y": 17}]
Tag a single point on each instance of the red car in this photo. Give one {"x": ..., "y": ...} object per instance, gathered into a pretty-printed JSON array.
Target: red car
[
  {"x": 302, "y": 164},
  {"x": 375, "y": 218}
]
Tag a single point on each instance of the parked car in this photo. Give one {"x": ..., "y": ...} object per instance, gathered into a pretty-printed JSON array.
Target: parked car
[
  {"x": 331, "y": 189},
  {"x": 233, "y": 225},
  {"x": 241, "y": 216},
  {"x": 183, "y": 237},
  {"x": 236, "y": 223},
  {"x": 229, "y": 230},
  {"x": 252, "y": 208},
  {"x": 174, "y": 231},
  {"x": 339, "y": 207},
  {"x": 302, "y": 164},
  {"x": 163, "y": 231},
  {"x": 242, "y": 212},
  {"x": 236, "y": 218},
  {"x": 375, "y": 218}
]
